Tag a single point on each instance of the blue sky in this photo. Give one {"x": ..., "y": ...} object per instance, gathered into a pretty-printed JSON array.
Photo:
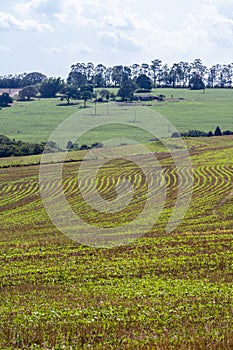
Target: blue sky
[{"x": 51, "y": 35}]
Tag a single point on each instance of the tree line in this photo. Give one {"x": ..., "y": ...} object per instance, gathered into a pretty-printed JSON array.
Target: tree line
[
  {"x": 19, "y": 81},
  {"x": 162, "y": 75}
]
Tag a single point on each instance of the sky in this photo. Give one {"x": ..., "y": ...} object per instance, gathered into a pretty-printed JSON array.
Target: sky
[{"x": 50, "y": 35}]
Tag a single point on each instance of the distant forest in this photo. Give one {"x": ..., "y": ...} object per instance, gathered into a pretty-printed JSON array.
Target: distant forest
[{"x": 161, "y": 75}]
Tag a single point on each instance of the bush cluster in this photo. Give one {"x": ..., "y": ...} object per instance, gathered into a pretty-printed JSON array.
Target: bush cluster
[
  {"x": 74, "y": 147},
  {"x": 199, "y": 133},
  {"x": 5, "y": 100},
  {"x": 10, "y": 147}
]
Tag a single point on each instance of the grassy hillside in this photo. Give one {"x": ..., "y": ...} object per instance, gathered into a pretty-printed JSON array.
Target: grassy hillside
[
  {"x": 197, "y": 110},
  {"x": 35, "y": 121},
  {"x": 163, "y": 291}
]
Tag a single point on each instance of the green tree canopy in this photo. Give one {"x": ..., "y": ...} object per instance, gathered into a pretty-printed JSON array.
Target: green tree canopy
[
  {"x": 144, "y": 82},
  {"x": 33, "y": 78},
  {"x": 196, "y": 83},
  {"x": 50, "y": 87},
  {"x": 127, "y": 89},
  {"x": 69, "y": 92},
  {"x": 87, "y": 93},
  {"x": 27, "y": 93},
  {"x": 5, "y": 99}
]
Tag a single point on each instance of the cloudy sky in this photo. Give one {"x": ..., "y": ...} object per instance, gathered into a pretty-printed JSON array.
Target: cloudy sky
[{"x": 51, "y": 35}]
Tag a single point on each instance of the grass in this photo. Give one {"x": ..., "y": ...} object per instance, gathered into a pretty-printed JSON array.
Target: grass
[
  {"x": 35, "y": 121},
  {"x": 198, "y": 111},
  {"x": 163, "y": 291}
]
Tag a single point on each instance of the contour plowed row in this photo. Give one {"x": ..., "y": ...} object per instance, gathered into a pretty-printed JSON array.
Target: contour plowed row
[{"x": 211, "y": 183}]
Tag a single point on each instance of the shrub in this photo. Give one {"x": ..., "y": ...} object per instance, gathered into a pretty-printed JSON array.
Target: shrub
[
  {"x": 175, "y": 134},
  {"x": 5, "y": 99},
  {"x": 194, "y": 133},
  {"x": 218, "y": 131},
  {"x": 10, "y": 147},
  {"x": 228, "y": 132},
  {"x": 97, "y": 145},
  {"x": 84, "y": 147},
  {"x": 160, "y": 97}
]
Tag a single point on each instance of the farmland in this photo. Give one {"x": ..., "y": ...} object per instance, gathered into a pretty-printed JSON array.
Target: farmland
[
  {"x": 34, "y": 121},
  {"x": 162, "y": 291}
]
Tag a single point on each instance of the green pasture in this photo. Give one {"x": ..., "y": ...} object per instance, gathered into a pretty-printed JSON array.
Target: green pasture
[
  {"x": 184, "y": 109},
  {"x": 33, "y": 121},
  {"x": 197, "y": 111}
]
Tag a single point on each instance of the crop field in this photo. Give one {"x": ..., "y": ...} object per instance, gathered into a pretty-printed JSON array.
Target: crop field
[
  {"x": 34, "y": 121},
  {"x": 162, "y": 291}
]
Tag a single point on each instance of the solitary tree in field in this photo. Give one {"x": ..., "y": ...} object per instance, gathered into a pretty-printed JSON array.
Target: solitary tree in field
[
  {"x": 127, "y": 89},
  {"x": 86, "y": 95},
  {"x": 69, "y": 92},
  {"x": 86, "y": 92},
  {"x": 27, "y": 93}
]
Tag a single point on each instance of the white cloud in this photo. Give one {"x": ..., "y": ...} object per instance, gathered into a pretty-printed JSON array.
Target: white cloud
[
  {"x": 8, "y": 21},
  {"x": 127, "y": 43},
  {"x": 107, "y": 39},
  {"x": 23, "y": 8},
  {"x": 122, "y": 23},
  {"x": 62, "y": 17},
  {"x": 199, "y": 34},
  {"x": 116, "y": 31},
  {"x": 46, "y": 7},
  {"x": 54, "y": 50},
  {"x": 101, "y": 13},
  {"x": 70, "y": 49},
  {"x": 118, "y": 41},
  {"x": 218, "y": 25},
  {"x": 85, "y": 49}
]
